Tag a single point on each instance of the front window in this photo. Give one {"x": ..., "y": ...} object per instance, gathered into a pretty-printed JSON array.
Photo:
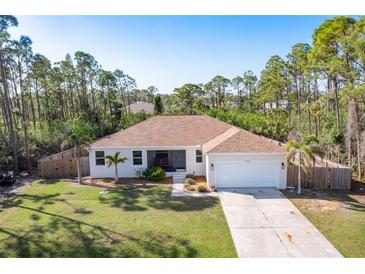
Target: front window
[
  {"x": 198, "y": 156},
  {"x": 137, "y": 157},
  {"x": 100, "y": 158}
]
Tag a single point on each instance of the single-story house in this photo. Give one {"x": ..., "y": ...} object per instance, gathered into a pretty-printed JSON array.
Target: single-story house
[{"x": 228, "y": 156}]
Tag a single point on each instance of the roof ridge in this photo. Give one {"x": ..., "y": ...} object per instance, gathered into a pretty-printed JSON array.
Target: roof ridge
[
  {"x": 220, "y": 138},
  {"x": 262, "y": 136}
]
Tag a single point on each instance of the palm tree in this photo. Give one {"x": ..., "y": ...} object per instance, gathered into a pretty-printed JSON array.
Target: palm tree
[
  {"x": 305, "y": 151},
  {"x": 115, "y": 160},
  {"x": 76, "y": 140}
]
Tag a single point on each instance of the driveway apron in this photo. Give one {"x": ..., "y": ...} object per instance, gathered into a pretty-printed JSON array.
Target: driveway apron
[{"x": 265, "y": 224}]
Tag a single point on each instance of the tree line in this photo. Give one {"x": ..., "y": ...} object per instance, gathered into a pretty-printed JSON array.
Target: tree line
[
  {"x": 40, "y": 101},
  {"x": 316, "y": 91}
]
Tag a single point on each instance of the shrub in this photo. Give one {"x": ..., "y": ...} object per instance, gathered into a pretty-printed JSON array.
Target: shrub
[
  {"x": 202, "y": 189},
  {"x": 139, "y": 173},
  {"x": 191, "y": 188},
  {"x": 155, "y": 173},
  {"x": 189, "y": 181},
  {"x": 190, "y": 176}
]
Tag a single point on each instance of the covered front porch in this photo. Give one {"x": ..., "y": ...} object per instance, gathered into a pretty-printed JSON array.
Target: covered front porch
[{"x": 168, "y": 160}]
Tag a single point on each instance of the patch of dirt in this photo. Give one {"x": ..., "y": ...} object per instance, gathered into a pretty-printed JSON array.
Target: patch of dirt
[
  {"x": 318, "y": 205},
  {"x": 325, "y": 201}
]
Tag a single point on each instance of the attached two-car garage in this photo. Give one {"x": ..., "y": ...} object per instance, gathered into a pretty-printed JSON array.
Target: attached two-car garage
[
  {"x": 246, "y": 170},
  {"x": 247, "y": 174}
]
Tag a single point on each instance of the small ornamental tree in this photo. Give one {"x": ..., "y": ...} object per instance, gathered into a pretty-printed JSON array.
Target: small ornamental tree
[
  {"x": 76, "y": 139},
  {"x": 115, "y": 160},
  {"x": 305, "y": 152}
]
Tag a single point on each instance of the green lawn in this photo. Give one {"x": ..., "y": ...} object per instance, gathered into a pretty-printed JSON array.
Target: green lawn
[
  {"x": 340, "y": 216},
  {"x": 64, "y": 219}
]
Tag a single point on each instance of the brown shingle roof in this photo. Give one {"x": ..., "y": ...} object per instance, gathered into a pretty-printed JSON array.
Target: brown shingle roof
[
  {"x": 182, "y": 130},
  {"x": 189, "y": 130},
  {"x": 246, "y": 142},
  {"x": 212, "y": 143}
]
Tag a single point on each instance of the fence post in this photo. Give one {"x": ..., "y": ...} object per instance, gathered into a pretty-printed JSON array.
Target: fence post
[{"x": 326, "y": 175}]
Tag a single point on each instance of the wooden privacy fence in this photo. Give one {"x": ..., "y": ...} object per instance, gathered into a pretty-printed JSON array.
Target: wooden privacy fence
[
  {"x": 321, "y": 177},
  {"x": 63, "y": 168}
]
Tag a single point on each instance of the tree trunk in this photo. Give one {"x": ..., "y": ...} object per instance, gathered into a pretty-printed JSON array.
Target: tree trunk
[
  {"x": 358, "y": 142},
  {"x": 297, "y": 86},
  {"x": 289, "y": 105},
  {"x": 8, "y": 113},
  {"x": 299, "y": 175},
  {"x": 239, "y": 99},
  {"x": 71, "y": 92},
  {"x": 289, "y": 114},
  {"x": 39, "y": 109},
  {"x": 337, "y": 106},
  {"x": 79, "y": 178},
  {"x": 92, "y": 95},
  {"x": 359, "y": 156},
  {"x": 24, "y": 119},
  {"x": 116, "y": 175},
  {"x": 2, "y": 137},
  {"x": 309, "y": 121},
  {"x": 129, "y": 102},
  {"x": 316, "y": 125}
]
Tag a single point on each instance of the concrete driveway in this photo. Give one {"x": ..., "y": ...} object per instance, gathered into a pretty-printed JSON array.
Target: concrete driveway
[{"x": 264, "y": 223}]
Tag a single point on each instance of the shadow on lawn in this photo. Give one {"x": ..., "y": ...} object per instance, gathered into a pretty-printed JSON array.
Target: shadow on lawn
[
  {"x": 138, "y": 198},
  {"x": 344, "y": 197},
  {"x": 57, "y": 235},
  {"x": 77, "y": 238},
  {"x": 42, "y": 201},
  {"x": 86, "y": 240}
]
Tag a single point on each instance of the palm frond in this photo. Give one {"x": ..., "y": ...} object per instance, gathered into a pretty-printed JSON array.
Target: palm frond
[
  {"x": 290, "y": 157},
  {"x": 115, "y": 159},
  {"x": 85, "y": 139},
  {"x": 316, "y": 149},
  {"x": 65, "y": 144},
  {"x": 291, "y": 144}
]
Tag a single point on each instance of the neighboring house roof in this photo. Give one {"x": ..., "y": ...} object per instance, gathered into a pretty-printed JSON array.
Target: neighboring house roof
[
  {"x": 139, "y": 106},
  {"x": 188, "y": 130}
]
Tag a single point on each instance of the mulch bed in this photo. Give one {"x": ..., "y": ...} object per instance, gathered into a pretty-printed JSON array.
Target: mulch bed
[
  {"x": 109, "y": 183},
  {"x": 199, "y": 181}
]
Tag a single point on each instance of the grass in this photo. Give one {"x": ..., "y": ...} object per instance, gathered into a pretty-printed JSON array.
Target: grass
[
  {"x": 63, "y": 219},
  {"x": 340, "y": 216}
]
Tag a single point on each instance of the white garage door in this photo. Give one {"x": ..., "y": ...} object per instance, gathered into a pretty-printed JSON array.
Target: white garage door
[{"x": 247, "y": 174}]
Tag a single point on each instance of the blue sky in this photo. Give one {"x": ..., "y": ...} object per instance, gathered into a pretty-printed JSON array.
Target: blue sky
[{"x": 168, "y": 51}]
